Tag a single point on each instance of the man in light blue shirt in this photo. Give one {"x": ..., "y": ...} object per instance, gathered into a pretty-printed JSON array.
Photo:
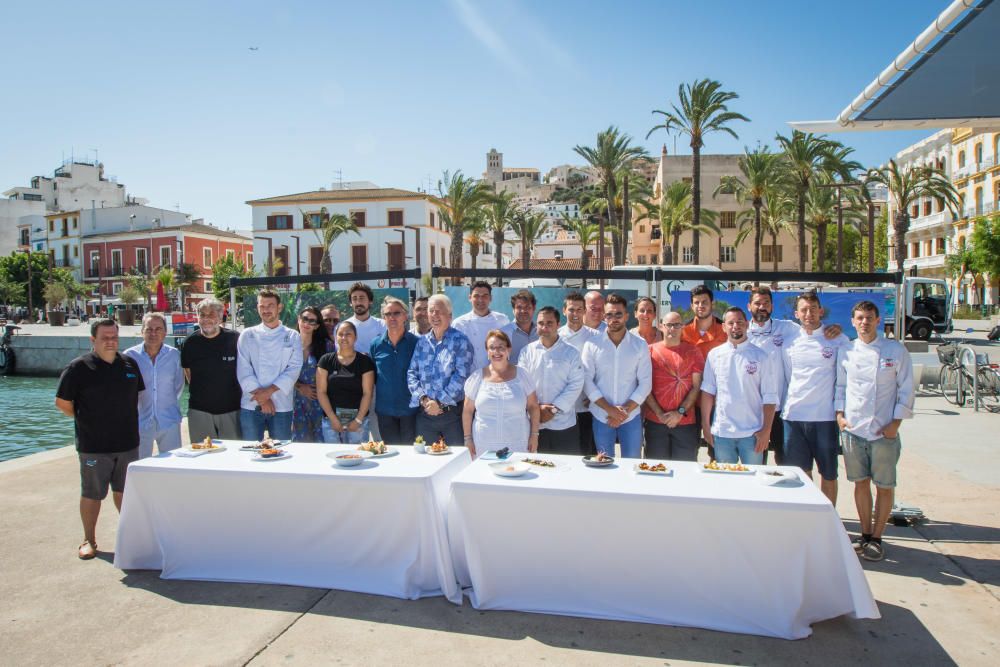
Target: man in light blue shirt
[
  {"x": 522, "y": 330},
  {"x": 159, "y": 410}
]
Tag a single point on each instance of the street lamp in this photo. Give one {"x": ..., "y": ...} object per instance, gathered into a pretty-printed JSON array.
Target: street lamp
[
  {"x": 31, "y": 303},
  {"x": 298, "y": 255}
]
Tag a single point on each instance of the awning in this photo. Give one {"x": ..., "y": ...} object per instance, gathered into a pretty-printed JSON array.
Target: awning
[{"x": 948, "y": 77}]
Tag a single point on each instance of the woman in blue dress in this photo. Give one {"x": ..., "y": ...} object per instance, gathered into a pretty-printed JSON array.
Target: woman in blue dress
[{"x": 307, "y": 416}]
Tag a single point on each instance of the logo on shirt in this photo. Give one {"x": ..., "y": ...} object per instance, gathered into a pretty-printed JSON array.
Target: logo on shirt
[
  {"x": 229, "y": 358},
  {"x": 827, "y": 352},
  {"x": 130, "y": 376},
  {"x": 778, "y": 341},
  {"x": 751, "y": 367},
  {"x": 887, "y": 363}
]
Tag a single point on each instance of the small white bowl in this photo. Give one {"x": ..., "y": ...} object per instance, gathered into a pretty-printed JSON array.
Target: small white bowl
[{"x": 351, "y": 459}]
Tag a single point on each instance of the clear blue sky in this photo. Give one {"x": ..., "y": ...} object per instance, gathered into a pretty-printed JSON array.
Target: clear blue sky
[{"x": 182, "y": 111}]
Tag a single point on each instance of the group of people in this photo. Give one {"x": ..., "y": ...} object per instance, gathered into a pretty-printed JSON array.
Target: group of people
[{"x": 573, "y": 382}]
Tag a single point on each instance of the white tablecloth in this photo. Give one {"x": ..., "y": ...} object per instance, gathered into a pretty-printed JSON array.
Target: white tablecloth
[
  {"x": 378, "y": 528},
  {"x": 695, "y": 549}
]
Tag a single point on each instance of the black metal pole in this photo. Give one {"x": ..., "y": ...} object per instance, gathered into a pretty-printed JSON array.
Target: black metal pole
[
  {"x": 871, "y": 237},
  {"x": 840, "y": 233}
]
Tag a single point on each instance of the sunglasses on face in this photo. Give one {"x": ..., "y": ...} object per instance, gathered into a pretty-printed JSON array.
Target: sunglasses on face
[
  {"x": 614, "y": 316},
  {"x": 309, "y": 320}
]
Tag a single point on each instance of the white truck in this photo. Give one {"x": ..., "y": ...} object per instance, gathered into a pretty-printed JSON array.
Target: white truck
[
  {"x": 660, "y": 290},
  {"x": 926, "y": 304}
]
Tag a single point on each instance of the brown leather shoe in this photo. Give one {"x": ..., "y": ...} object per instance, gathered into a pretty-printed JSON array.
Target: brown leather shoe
[{"x": 87, "y": 550}]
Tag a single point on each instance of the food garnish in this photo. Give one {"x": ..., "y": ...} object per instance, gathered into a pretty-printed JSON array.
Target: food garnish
[
  {"x": 539, "y": 462},
  {"x": 374, "y": 447},
  {"x": 727, "y": 467},
  {"x": 419, "y": 440},
  {"x": 659, "y": 467}
]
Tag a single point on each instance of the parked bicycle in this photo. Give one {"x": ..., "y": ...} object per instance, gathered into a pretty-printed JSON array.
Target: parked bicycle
[{"x": 956, "y": 381}]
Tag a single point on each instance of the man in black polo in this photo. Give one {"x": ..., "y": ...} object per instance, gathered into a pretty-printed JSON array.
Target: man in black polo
[
  {"x": 100, "y": 391},
  {"x": 208, "y": 358}
]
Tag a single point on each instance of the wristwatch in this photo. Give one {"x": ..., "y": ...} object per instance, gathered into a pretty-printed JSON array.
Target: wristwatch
[
  {"x": 555, "y": 410},
  {"x": 682, "y": 410}
]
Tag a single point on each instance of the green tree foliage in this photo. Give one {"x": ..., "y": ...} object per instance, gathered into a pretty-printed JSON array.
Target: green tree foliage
[
  {"x": 230, "y": 267},
  {"x": 459, "y": 198},
  {"x": 14, "y": 269},
  {"x": 985, "y": 244}
]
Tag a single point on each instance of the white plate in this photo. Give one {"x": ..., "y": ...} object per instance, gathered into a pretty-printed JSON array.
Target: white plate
[
  {"x": 199, "y": 452},
  {"x": 264, "y": 459},
  {"x": 751, "y": 471},
  {"x": 665, "y": 473},
  {"x": 501, "y": 469},
  {"x": 360, "y": 456},
  {"x": 433, "y": 453},
  {"x": 491, "y": 455},
  {"x": 389, "y": 451},
  {"x": 278, "y": 444}
]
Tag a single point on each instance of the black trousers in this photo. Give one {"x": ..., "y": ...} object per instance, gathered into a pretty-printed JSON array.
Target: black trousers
[
  {"x": 585, "y": 424},
  {"x": 397, "y": 430},
  {"x": 776, "y": 445},
  {"x": 566, "y": 441},
  {"x": 448, "y": 425}
]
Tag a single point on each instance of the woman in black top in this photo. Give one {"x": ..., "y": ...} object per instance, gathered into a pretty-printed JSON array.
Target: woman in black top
[{"x": 345, "y": 380}]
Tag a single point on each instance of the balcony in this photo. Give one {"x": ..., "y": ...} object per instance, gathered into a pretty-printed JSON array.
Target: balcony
[
  {"x": 925, "y": 221},
  {"x": 986, "y": 208},
  {"x": 62, "y": 263},
  {"x": 116, "y": 270},
  {"x": 928, "y": 262}
]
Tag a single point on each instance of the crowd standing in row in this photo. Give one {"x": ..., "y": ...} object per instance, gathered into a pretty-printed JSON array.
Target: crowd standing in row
[{"x": 532, "y": 384}]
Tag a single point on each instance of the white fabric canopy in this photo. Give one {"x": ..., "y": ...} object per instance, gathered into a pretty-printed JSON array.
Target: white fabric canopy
[
  {"x": 378, "y": 528},
  {"x": 696, "y": 549}
]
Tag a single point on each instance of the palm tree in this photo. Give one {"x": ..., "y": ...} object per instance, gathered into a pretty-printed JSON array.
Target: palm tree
[
  {"x": 586, "y": 235},
  {"x": 675, "y": 214},
  {"x": 529, "y": 225},
  {"x": 761, "y": 170},
  {"x": 906, "y": 187},
  {"x": 776, "y": 217},
  {"x": 703, "y": 110},
  {"x": 187, "y": 274},
  {"x": 805, "y": 155},
  {"x": 459, "y": 197},
  {"x": 498, "y": 215},
  {"x": 331, "y": 228},
  {"x": 612, "y": 154},
  {"x": 475, "y": 236},
  {"x": 821, "y": 211},
  {"x": 596, "y": 202}
]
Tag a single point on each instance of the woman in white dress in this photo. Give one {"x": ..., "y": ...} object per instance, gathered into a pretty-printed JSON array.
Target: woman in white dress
[{"x": 501, "y": 409}]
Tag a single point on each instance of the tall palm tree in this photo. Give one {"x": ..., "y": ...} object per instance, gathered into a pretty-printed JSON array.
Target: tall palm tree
[
  {"x": 187, "y": 274},
  {"x": 675, "y": 214},
  {"x": 761, "y": 170},
  {"x": 907, "y": 187},
  {"x": 331, "y": 228},
  {"x": 460, "y": 198},
  {"x": 821, "y": 211},
  {"x": 703, "y": 110},
  {"x": 631, "y": 192},
  {"x": 475, "y": 236},
  {"x": 529, "y": 225},
  {"x": 777, "y": 217},
  {"x": 611, "y": 155},
  {"x": 498, "y": 215},
  {"x": 586, "y": 235}
]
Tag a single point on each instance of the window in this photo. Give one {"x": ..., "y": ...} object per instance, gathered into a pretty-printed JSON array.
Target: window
[
  {"x": 249, "y": 260},
  {"x": 444, "y": 262},
  {"x": 94, "y": 269},
  {"x": 206, "y": 257},
  {"x": 312, "y": 221},
  {"x": 165, "y": 256},
  {"x": 979, "y": 154},
  {"x": 961, "y": 159},
  {"x": 432, "y": 218},
  {"x": 142, "y": 260},
  {"x": 915, "y": 211},
  {"x": 25, "y": 237},
  {"x": 283, "y": 221},
  {"x": 315, "y": 259},
  {"x": 116, "y": 263},
  {"x": 642, "y": 230},
  {"x": 927, "y": 208},
  {"x": 940, "y": 247},
  {"x": 768, "y": 252},
  {"x": 116, "y": 288},
  {"x": 433, "y": 252},
  {"x": 208, "y": 286},
  {"x": 76, "y": 252},
  {"x": 727, "y": 220},
  {"x": 395, "y": 218},
  {"x": 396, "y": 261},
  {"x": 654, "y": 259},
  {"x": 359, "y": 218},
  {"x": 727, "y": 254},
  {"x": 359, "y": 258},
  {"x": 230, "y": 254},
  {"x": 74, "y": 223},
  {"x": 915, "y": 249},
  {"x": 558, "y": 254},
  {"x": 641, "y": 259},
  {"x": 52, "y": 226},
  {"x": 280, "y": 265},
  {"x": 687, "y": 255}
]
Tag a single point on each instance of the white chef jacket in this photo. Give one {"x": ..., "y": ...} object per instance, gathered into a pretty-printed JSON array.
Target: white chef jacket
[
  {"x": 368, "y": 331},
  {"x": 743, "y": 378},
  {"x": 771, "y": 337},
  {"x": 576, "y": 339},
  {"x": 558, "y": 375},
  {"x": 475, "y": 329},
  {"x": 617, "y": 373},
  {"x": 810, "y": 365},
  {"x": 874, "y": 385},
  {"x": 267, "y": 356}
]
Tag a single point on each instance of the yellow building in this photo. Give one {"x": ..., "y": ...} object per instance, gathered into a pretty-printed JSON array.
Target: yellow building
[{"x": 976, "y": 175}]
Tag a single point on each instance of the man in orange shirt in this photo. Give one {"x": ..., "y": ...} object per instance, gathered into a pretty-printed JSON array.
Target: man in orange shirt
[
  {"x": 705, "y": 330},
  {"x": 670, "y": 428}
]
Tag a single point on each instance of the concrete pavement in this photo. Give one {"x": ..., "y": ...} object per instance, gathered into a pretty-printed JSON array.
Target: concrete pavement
[{"x": 938, "y": 590}]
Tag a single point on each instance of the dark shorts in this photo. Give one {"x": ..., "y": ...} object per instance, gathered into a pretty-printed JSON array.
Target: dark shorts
[
  {"x": 806, "y": 442},
  {"x": 98, "y": 471}
]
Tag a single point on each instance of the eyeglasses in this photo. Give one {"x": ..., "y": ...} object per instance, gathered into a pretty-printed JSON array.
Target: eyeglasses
[
  {"x": 393, "y": 313},
  {"x": 614, "y": 316},
  {"x": 673, "y": 325},
  {"x": 309, "y": 320}
]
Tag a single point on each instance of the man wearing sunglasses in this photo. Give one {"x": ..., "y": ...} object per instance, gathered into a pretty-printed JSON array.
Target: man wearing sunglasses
[{"x": 392, "y": 351}]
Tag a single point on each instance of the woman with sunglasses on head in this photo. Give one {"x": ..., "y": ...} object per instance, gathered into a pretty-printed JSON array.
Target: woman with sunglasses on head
[
  {"x": 307, "y": 414},
  {"x": 345, "y": 382}
]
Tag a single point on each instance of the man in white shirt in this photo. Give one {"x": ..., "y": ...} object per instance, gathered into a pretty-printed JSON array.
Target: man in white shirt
[
  {"x": 874, "y": 394},
  {"x": 480, "y": 321},
  {"x": 575, "y": 334},
  {"x": 159, "y": 411},
  {"x": 809, "y": 360},
  {"x": 522, "y": 330},
  {"x": 369, "y": 328},
  {"x": 594, "y": 317},
  {"x": 421, "y": 322},
  {"x": 557, "y": 370},
  {"x": 741, "y": 383},
  {"x": 268, "y": 360},
  {"x": 618, "y": 378}
]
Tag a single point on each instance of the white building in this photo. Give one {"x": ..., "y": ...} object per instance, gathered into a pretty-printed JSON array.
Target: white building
[
  {"x": 16, "y": 219},
  {"x": 397, "y": 229},
  {"x": 568, "y": 175}
]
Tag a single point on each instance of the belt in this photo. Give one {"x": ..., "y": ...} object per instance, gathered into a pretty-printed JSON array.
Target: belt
[{"x": 445, "y": 408}]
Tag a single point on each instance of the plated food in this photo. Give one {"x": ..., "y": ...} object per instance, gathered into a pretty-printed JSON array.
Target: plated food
[
  {"x": 271, "y": 454},
  {"x": 374, "y": 447},
  {"x": 731, "y": 468},
  {"x": 599, "y": 460},
  {"x": 644, "y": 468},
  {"x": 439, "y": 447},
  {"x": 777, "y": 476},
  {"x": 505, "y": 469},
  {"x": 541, "y": 463},
  {"x": 204, "y": 444}
]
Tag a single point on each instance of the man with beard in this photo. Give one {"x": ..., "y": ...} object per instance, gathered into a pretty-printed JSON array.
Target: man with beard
[
  {"x": 369, "y": 328},
  {"x": 421, "y": 323},
  {"x": 331, "y": 318},
  {"x": 705, "y": 330},
  {"x": 208, "y": 358},
  {"x": 480, "y": 321},
  {"x": 575, "y": 333},
  {"x": 522, "y": 330}
]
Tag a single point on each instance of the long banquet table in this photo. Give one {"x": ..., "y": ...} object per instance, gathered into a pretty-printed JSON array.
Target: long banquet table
[
  {"x": 698, "y": 549},
  {"x": 378, "y": 528}
]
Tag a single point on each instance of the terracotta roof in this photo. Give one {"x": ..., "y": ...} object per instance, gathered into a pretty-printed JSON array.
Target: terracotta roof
[
  {"x": 561, "y": 264},
  {"x": 319, "y": 196},
  {"x": 194, "y": 228}
]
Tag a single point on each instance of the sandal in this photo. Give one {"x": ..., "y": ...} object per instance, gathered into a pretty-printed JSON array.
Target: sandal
[{"x": 87, "y": 550}]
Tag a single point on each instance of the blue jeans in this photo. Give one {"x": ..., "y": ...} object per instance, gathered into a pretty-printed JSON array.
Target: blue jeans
[
  {"x": 737, "y": 450},
  {"x": 346, "y": 437},
  {"x": 629, "y": 436},
  {"x": 254, "y": 422}
]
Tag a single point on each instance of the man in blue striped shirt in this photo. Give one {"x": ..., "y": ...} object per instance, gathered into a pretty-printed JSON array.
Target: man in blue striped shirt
[{"x": 159, "y": 410}]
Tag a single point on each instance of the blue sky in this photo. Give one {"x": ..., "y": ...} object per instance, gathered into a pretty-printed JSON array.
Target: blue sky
[{"x": 182, "y": 112}]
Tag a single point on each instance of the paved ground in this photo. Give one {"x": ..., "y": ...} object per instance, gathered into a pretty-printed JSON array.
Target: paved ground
[{"x": 938, "y": 590}]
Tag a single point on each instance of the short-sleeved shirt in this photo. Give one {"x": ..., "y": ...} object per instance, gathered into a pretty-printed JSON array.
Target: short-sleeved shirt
[
  {"x": 703, "y": 340},
  {"x": 105, "y": 402},
  {"x": 343, "y": 383},
  {"x": 392, "y": 397},
  {"x": 672, "y": 371},
  {"x": 212, "y": 363}
]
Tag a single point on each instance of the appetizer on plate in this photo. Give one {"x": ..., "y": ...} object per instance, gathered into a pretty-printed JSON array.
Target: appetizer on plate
[
  {"x": 269, "y": 453},
  {"x": 539, "y": 462},
  {"x": 659, "y": 467},
  {"x": 598, "y": 460},
  {"x": 374, "y": 447},
  {"x": 204, "y": 444},
  {"x": 439, "y": 446},
  {"x": 715, "y": 466}
]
